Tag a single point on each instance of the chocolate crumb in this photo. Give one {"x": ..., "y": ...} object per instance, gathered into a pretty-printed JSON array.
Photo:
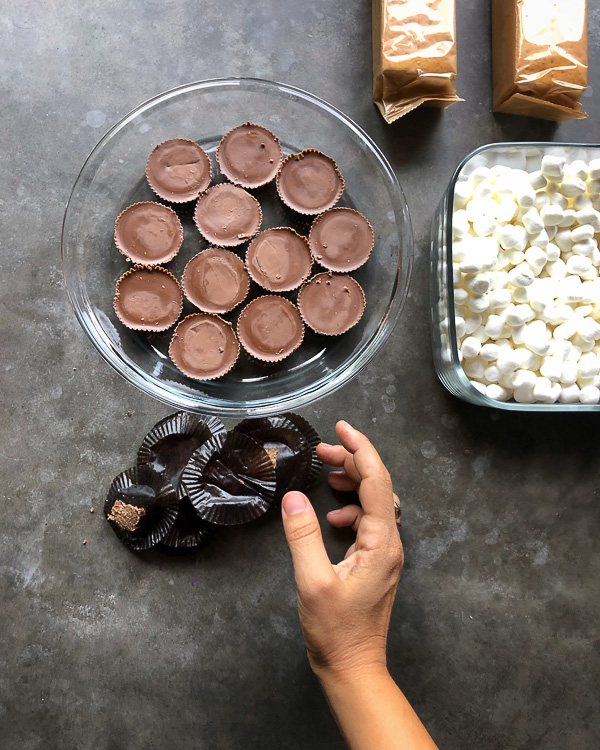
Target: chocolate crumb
[
  {"x": 91, "y": 510},
  {"x": 74, "y": 369},
  {"x": 129, "y": 413},
  {"x": 127, "y": 517},
  {"x": 85, "y": 541}
]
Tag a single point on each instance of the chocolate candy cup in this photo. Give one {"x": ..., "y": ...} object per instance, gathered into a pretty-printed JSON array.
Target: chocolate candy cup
[
  {"x": 341, "y": 239},
  {"x": 312, "y": 438},
  {"x": 178, "y": 170},
  {"x": 148, "y": 298},
  {"x": 141, "y": 506},
  {"x": 331, "y": 304},
  {"x": 215, "y": 280},
  {"x": 148, "y": 233},
  {"x": 230, "y": 480},
  {"x": 290, "y": 452},
  {"x": 227, "y": 215},
  {"x": 279, "y": 259},
  {"x": 204, "y": 346},
  {"x": 188, "y": 533},
  {"x": 171, "y": 442},
  {"x": 249, "y": 155},
  {"x": 309, "y": 182},
  {"x": 270, "y": 328}
]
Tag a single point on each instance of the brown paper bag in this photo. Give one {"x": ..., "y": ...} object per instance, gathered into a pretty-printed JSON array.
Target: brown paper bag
[
  {"x": 414, "y": 55},
  {"x": 540, "y": 57}
]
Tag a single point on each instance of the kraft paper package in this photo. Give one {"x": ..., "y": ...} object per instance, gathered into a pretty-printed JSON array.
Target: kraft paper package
[
  {"x": 540, "y": 56},
  {"x": 414, "y": 55}
]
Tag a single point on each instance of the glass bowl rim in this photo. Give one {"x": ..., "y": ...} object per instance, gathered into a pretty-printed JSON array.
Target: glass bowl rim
[
  {"x": 471, "y": 393},
  {"x": 308, "y": 394}
]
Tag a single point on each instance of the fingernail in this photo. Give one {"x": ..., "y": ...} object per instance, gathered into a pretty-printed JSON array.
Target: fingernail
[
  {"x": 294, "y": 503},
  {"x": 334, "y": 512},
  {"x": 327, "y": 445},
  {"x": 347, "y": 424}
]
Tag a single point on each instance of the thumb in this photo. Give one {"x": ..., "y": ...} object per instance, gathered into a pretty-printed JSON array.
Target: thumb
[{"x": 303, "y": 534}]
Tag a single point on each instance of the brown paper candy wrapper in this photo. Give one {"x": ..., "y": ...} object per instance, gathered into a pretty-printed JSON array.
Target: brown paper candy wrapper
[
  {"x": 414, "y": 55},
  {"x": 171, "y": 442},
  {"x": 188, "y": 533},
  {"x": 540, "y": 55},
  {"x": 312, "y": 438},
  {"x": 146, "y": 510},
  {"x": 230, "y": 480}
]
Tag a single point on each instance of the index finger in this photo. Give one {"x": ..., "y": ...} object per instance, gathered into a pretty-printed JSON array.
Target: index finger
[{"x": 375, "y": 489}]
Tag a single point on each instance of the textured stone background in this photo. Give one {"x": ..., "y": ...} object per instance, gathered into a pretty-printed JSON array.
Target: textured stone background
[{"x": 495, "y": 632}]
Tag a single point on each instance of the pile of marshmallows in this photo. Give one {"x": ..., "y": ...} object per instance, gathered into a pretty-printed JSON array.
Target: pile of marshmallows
[{"x": 526, "y": 270}]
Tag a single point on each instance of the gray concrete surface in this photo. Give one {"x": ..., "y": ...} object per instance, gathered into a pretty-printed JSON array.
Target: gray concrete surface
[{"x": 495, "y": 632}]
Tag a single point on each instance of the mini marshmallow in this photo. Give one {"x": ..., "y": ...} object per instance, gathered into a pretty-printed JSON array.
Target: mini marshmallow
[
  {"x": 525, "y": 195},
  {"x": 511, "y": 236},
  {"x": 557, "y": 269},
  {"x": 524, "y": 395},
  {"x": 588, "y": 216},
  {"x": 478, "y": 283},
  {"x": 537, "y": 180},
  {"x": 552, "y": 251},
  {"x": 492, "y": 374},
  {"x": 585, "y": 346},
  {"x": 479, "y": 207},
  {"x": 484, "y": 191},
  {"x": 586, "y": 247},
  {"x": 551, "y": 215},
  {"x": 480, "y": 386},
  {"x": 472, "y": 323},
  {"x": 516, "y": 315},
  {"x": 582, "y": 202},
  {"x": 593, "y": 188},
  {"x": 578, "y": 168},
  {"x": 506, "y": 210},
  {"x": 520, "y": 295},
  {"x": 569, "y": 218},
  {"x": 523, "y": 378},
  {"x": 594, "y": 169},
  {"x": 569, "y": 290},
  {"x": 460, "y": 249},
  {"x": 497, "y": 392},
  {"x": 473, "y": 262},
  {"x": 551, "y": 232},
  {"x": 570, "y": 373},
  {"x": 459, "y": 324},
  {"x": 501, "y": 263},
  {"x": 515, "y": 257},
  {"x": 565, "y": 330},
  {"x": 489, "y": 352},
  {"x": 494, "y": 326},
  {"x": 460, "y": 296},
  {"x": 563, "y": 240},
  {"x": 480, "y": 174},
  {"x": 580, "y": 266},
  {"x": 588, "y": 395},
  {"x": 541, "y": 199},
  {"x": 553, "y": 167},
  {"x": 582, "y": 311},
  {"x": 529, "y": 359},
  {"x": 508, "y": 361},
  {"x": 541, "y": 239},
  {"x": 517, "y": 334},
  {"x": 532, "y": 221},
  {"x": 474, "y": 368},
  {"x": 521, "y": 275},
  {"x": 559, "y": 200},
  {"x": 537, "y": 338},
  {"x": 499, "y": 299},
  {"x": 588, "y": 365},
  {"x": 542, "y": 390},
  {"x": 559, "y": 314},
  {"x": 481, "y": 335},
  {"x": 551, "y": 368},
  {"x": 588, "y": 329},
  {"x": 484, "y": 225},
  {"x": 470, "y": 347},
  {"x": 572, "y": 187},
  {"x": 569, "y": 394},
  {"x": 478, "y": 303},
  {"x": 582, "y": 232},
  {"x": 536, "y": 258},
  {"x": 456, "y": 275},
  {"x": 560, "y": 349}
]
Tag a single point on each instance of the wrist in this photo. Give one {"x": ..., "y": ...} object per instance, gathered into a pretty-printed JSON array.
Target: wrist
[{"x": 346, "y": 675}]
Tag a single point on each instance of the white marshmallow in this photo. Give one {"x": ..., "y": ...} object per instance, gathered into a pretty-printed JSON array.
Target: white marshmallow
[
  {"x": 532, "y": 221},
  {"x": 470, "y": 347},
  {"x": 480, "y": 174},
  {"x": 517, "y": 334},
  {"x": 537, "y": 180},
  {"x": 569, "y": 394},
  {"x": 552, "y": 251},
  {"x": 588, "y": 329},
  {"x": 523, "y": 378},
  {"x": 529, "y": 360},
  {"x": 542, "y": 390},
  {"x": 578, "y": 168},
  {"x": 551, "y": 215},
  {"x": 565, "y": 330},
  {"x": 553, "y": 167},
  {"x": 484, "y": 225},
  {"x": 556, "y": 269},
  {"x": 570, "y": 373},
  {"x": 525, "y": 194},
  {"x": 572, "y": 187},
  {"x": 506, "y": 210},
  {"x": 537, "y": 337},
  {"x": 474, "y": 368},
  {"x": 521, "y": 275},
  {"x": 582, "y": 202},
  {"x": 510, "y": 236},
  {"x": 585, "y": 247},
  {"x": 552, "y": 368},
  {"x": 520, "y": 294},
  {"x": 541, "y": 199},
  {"x": 589, "y": 216},
  {"x": 561, "y": 350},
  {"x": 494, "y": 326},
  {"x": 459, "y": 325},
  {"x": 593, "y": 188},
  {"x": 477, "y": 207},
  {"x": 497, "y": 392},
  {"x": 541, "y": 239},
  {"x": 460, "y": 296},
  {"x": 472, "y": 323},
  {"x": 478, "y": 283},
  {"x": 524, "y": 395},
  {"x": 484, "y": 191},
  {"x": 499, "y": 299},
  {"x": 594, "y": 169},
  {"x": 456, "y": 275},
  {"x": 569, "y": 218},
  {"x": 580, "y": 266},
  {"x": 582, "y": 232},
  {"x": 560, "y": 200},
  {"x": 478, "y": 303},
  {"x": 489, "y": 352},
  {"x": 588, "y": 395},
  {"x": 515, "y": 257},
  {"x": 479, "y": 386},
  {"x": 516, "y": 315},
  {"x": 492, "y": 374},
  {"x": 508, "y": 361}
]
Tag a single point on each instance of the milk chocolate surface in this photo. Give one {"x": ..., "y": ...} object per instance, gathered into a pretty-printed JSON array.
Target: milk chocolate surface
[
  {"x": 148, "y": 233},
  {"x": 215, "y": 280},
  {"x": 249, "y": 155},
  {"x": 331, "y": 303},
  {"x": 341, "y": 239},
  {"x": 178, "y": 170},
  {"x": 270, "y": 328},
  {"x": 279, "y": 259},
  {"x": 148, "y": 299},
  {"x": 227, "y": 215},
  {"x": 310, "y": 182},
  {"x": 204, "y": 347}
]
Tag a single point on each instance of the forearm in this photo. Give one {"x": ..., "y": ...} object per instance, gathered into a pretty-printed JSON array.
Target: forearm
[{"x": 373, "y": 713}]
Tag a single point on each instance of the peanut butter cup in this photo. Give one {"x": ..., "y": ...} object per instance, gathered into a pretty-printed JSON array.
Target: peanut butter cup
[
  {"x": 270, "y": 328},
  {"x": 331, "y": 303},
  {"x": 341, "y": 239},
  {"x": 178, "y": 170},
  {"x": 249, "y": 155},
  {"x": 227, "y": 215},
  {"x": 279, "y": 259},
  {"x": 215, "y": 280},
  {"x": 148, "y": 299},
  {"x": 204, "y": 346},
  {"x": 309, "y": 182},
  {"x": 148, "y": 233}
]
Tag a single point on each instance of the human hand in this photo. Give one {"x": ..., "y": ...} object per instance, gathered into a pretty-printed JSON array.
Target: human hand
[{"x": 345, "y": 609}]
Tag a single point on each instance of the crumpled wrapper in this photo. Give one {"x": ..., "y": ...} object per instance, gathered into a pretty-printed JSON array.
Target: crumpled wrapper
[
  {"x": 540, "y": 54},
  {"x": 414, "y": 55}
]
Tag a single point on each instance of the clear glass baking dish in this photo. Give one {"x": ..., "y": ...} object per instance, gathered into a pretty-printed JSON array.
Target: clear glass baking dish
[
  {"x": 113, "y": 177},
  {"x": 445, "y": 348}
]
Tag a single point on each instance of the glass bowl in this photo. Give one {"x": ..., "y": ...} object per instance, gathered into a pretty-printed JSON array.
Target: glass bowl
[
  {"x": 444, "y": 340},
  {"x": 113, "y": 177}
]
